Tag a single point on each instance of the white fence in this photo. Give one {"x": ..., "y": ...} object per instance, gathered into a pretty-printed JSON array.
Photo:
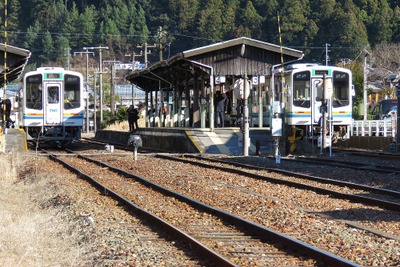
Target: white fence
[{"x": 374, "y": 128}]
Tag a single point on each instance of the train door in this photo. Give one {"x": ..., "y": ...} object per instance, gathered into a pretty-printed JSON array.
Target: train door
[
  {"x": 52, "y": 111},
  {"x": 317, "y": 95}
]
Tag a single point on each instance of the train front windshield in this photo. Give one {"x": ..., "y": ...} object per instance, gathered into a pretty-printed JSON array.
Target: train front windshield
[
  {"x": 341, "y": 89},
  {"x": 301, "y": 89},
  {"x": 302, "y": 93},
  {"x": 34, "y": 92},
  {"x": 72, "y": 93}
]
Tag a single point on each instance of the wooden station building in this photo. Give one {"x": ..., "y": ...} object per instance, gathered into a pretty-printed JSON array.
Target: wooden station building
[{"x": 180, "y": 90}]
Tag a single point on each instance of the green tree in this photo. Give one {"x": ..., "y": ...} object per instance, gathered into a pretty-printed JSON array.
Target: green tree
[
  {"x": 182, "y": 14},
  {"x": 13, "y": 23},
  {"x": 140, "y": 25},
  {"x": 71, "y": 26},
  {"x": 396, "y": 25},
  {"x": 294, "y": 21},
  {"x": 358, "y": 82},
  {"x": 268, "y": 10},
  {"x": 252, "y": 20},
  {"x": 48, "y": 48},
  {"x": 210, "y": 28},
  {"x": 87, "y": 25},
  {"x": 61, "y": 45},
  {"x": 347, "y": 35},
  {"x": 377, "y": 16},
  {"x": 32, "y": 41},
  {"x": 229, "y": 19}
]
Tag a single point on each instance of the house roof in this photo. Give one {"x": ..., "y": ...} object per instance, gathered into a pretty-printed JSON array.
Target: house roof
[
  {"x": 224, "y": 56},
  {"x": 17, "y": 58}
]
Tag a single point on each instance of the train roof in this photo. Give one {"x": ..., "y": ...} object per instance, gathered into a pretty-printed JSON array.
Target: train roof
[{"x": 309, "y": 66}]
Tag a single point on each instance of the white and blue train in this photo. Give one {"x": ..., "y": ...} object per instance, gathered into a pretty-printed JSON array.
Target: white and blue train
[
  {"x": 303, "y": 96},
  {"x": 52, "y": 106}
]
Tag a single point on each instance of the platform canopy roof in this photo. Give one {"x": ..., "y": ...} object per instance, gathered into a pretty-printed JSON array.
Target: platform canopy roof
[
  {"x": 17, "y": 58},
  {"x": 231, "y": 58}
]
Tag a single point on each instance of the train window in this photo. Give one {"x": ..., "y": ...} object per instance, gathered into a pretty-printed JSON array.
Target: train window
[
  {"x": 72, "y": 92},
  {"x": 53, "y": 94},
  {"x": 341, "y": 89},
  {"x": 301, "y": 89},
  {"x": 33, "y": 89}
]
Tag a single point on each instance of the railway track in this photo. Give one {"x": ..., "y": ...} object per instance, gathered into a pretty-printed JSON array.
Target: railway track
[
  {"x": 367, "y": 195},
  {"x": 238, "y": 242},
  {"x": 347, "y": 164},
  {"x": 384, "y": 198}
]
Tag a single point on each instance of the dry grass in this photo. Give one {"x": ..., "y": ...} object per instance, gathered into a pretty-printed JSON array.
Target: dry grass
[
  {"x": 124, "y": 126},
  {"x": 32, "y": 232}
]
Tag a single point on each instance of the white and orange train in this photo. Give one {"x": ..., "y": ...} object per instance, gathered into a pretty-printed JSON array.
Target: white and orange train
[
  {"x": 52, "y": 106},
  {"x": 303, "y": 98}
]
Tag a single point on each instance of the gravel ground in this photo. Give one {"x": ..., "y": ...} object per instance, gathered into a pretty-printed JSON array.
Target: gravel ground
[
  {"x": 117, "y": 239},
  {"x": 275, "y": 206},
  {"x": 113, "y": 237}
]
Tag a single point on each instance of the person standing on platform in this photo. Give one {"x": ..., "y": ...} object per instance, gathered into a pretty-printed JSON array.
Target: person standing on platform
[
  {"x": 220, "y": 109},
  {"x": 133, "y": 117}
]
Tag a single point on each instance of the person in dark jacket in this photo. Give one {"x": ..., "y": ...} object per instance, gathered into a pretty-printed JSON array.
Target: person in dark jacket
[
  {"x": 220, "y": 109},
  {"x": 133, "y": 117}
]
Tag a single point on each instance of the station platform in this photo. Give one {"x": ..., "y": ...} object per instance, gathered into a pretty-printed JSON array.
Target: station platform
[
  {"x": 194, "y": 140},
  {"x": 13, "y": 140},
  {"x": 229, "y": 141}
]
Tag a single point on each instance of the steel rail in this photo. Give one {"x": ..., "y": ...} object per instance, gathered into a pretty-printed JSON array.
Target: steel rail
[
  {"x": 262, "y": 232},
  {"x": 345, "y": 164},
  {"x": 304, "y": 176},
  {"x": 355, "y": 198},
  {"x": 209, "y": 253}
]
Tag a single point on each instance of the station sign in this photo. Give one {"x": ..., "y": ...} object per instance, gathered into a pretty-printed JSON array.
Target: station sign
[{"x": 130, "y": 66}]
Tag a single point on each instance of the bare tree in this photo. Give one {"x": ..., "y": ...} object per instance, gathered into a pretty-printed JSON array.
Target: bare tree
[{"x": 386, "y": 56}]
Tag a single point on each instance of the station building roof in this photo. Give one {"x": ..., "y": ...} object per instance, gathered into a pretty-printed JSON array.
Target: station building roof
[
  {"x": 236, "y": 57},
  {"x": 17, "y": 58}
]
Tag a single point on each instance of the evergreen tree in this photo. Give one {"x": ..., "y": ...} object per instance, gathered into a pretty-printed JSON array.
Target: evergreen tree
[
  {"x": 396, "y": 25},
  {"x": 295, "y": 16},
  {"x": 47, "y": 54},
  {"x": 13, "y": 23},
  {"x": 377, "y": 17},
  {"x": 210, "y": 28},
  {"x": 141, "y": 29},
  {"x": 229, "y": 19},
  {"x": 268, "y": 10},
  {"x": 32, "y": 41},
  {"x": 348, "y": 35},
  {"x": 71, "y": 26},
  {"x": 87, "y": 25},
  {"x": 252, "y": 21},
  {"x": 61, "y": 45},
  {"x": 183, "y": 15}
]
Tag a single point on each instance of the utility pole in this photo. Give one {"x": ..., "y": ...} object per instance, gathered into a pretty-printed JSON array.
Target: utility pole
[
  {"x": 326, "y": 54},
  {"x": 87, "y": 85},
  {"x": 100, "y": 48},
  {"x": 246, "y": 90},
  {"x": 113, "y": 62},
  {"x": 160, "y": 35},
  {"x": 146, "y": 52},
  {"x": 67, "y": 49},
  {"x": 134, "y": 55},
  {"x": 366, "y": 54}
]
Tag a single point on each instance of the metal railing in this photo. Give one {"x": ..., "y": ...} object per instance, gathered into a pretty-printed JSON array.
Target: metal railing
[{"x": 374, "y": 128}]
